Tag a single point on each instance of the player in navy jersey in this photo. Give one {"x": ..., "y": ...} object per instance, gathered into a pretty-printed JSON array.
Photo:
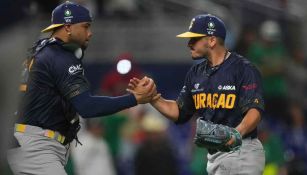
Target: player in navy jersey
[
  {"x": 223, "y": 89},
  {"x": 54, "y": 90}
]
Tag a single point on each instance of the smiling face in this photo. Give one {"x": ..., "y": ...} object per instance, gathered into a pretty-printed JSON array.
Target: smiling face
[{"x": 80, "y": 33}]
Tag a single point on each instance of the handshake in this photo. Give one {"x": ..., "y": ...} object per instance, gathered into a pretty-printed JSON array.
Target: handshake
[{"x": 144, "y": 90}]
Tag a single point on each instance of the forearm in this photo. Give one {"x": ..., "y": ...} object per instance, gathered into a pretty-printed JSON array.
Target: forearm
[
  {"x": 168, "y": 108},
  {"x": 94, "y": 106},
  {"x": 249, "y": 122}
]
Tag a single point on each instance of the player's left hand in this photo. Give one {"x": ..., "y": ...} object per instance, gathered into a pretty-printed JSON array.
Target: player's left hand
[
  {"x": 216, "y": 136},
  {"x": 234, "y": 143},
  {"x": 230, "y": 142}
]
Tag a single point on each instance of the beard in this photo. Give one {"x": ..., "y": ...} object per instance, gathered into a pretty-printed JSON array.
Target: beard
[
  {"x": 82, "y": 44},
  {"x": 83, "y": 47},
  {"x": 197, "y": 58},
  {"x": 198, "y": 55}
]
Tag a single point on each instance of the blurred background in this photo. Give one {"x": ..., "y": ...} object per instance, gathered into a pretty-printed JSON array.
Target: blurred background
[{"x": 133, "y": 38}]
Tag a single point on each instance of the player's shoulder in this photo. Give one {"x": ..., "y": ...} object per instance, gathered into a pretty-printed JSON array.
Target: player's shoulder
[
  {"x": 51, "y": 49},
  {"x": 242, "y": 62},
  {"x": 55, "y": 52},
  {"x": 58, "y": 60},
  {"x": 243, "y": 65}
]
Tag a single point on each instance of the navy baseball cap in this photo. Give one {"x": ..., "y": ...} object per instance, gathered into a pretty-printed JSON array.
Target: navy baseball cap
[
  {"x": 68, "y": 13},
  {"x": 205, "y": 25}
]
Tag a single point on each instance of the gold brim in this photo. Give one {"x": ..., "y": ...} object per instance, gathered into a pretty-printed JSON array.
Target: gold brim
[
  {"x": 190, "y": 35},
  {"x": 51, "y": 27}
]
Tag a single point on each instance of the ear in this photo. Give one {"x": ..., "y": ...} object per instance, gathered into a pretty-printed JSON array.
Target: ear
[
  {"x": 68, "y": 29},
  {"x": 212, "y": 42}
]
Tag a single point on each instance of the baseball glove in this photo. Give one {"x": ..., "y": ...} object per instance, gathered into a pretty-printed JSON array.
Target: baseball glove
[{"x": 215, "y": 136}]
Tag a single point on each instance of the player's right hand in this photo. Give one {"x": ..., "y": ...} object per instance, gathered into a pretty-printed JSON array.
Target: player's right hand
[{"x": 144, "y": 90}]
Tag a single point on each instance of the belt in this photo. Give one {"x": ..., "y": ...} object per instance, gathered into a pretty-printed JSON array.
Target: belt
[{"x": 35, "y": 130}]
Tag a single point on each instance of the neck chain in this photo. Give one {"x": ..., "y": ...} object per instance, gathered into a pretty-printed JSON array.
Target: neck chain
[
  {"x": 225, "y": 57},
  {"x": 211, "y": 70}
]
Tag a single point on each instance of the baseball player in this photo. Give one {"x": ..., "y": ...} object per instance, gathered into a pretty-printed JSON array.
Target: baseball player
[
  {"x": 54, "y": 90},
  {"x": 224, "y": 93}
]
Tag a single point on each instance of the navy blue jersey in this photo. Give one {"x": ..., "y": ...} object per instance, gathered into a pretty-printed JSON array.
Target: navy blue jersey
[
  {"x": 55, "y": 76},
  {"x": 221, "y": 94}
]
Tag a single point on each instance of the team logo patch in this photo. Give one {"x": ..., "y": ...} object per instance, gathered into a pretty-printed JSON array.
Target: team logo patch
[
  {"x": 75, "y": 69},
  {"x": 196, "y": 86}
]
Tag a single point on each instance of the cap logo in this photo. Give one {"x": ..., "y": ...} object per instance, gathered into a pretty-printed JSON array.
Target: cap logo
[
  {"x": 211, "y": 25},
  {"x": 211, "y": 28},
  {"x": 68, "y": 16},
  {"x": 67, "y": 12},
  {"x": 191, "y": 24}
]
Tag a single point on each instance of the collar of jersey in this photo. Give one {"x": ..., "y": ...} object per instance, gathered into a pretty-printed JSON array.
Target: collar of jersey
[{"x": 217, "y": 67}]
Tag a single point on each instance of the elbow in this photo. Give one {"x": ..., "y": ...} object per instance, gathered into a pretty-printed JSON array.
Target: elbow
[
  {"x": 84, "y": 109},
  {"x": 181, "y": 119},
  {"x": 88, "y": 112},
  {"x": 84, "y": 113},
  {"x": 81, "y": 104},
  {"x": 174, "y": 118},
  {"x": 257, "y": 113}
]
